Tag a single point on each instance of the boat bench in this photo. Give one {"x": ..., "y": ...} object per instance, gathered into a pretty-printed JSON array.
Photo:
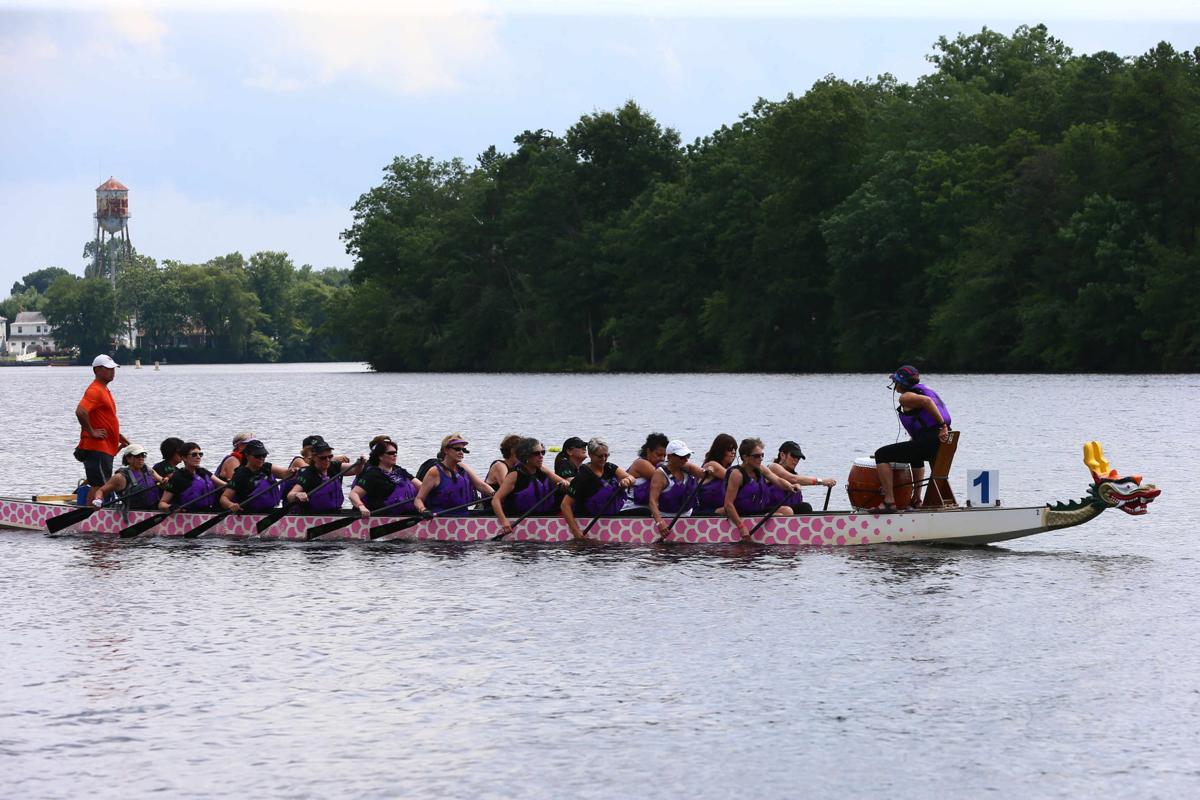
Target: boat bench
[{"x": 938, "y": 493}]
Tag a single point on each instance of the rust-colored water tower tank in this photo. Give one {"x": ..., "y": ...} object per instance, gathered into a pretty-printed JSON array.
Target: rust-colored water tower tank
[{"x": 112, "y": 205}]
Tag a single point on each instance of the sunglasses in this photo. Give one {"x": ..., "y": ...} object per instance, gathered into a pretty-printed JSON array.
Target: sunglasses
[
  {"x": 755, "y": 455},
  {"x": 195, "y": 454},
  {"x": 461, "y": 449},
  {"x": 325, "y": 457},
  {"x": 385, "y": 453},
  {"x": 538, "y": 453}
]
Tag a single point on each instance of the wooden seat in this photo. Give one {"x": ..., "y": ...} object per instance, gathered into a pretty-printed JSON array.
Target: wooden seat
[{"x": 938, "y": 493}]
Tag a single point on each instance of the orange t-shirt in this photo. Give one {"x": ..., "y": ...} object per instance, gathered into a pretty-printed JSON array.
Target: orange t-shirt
[{"x": 102, "y": 412}]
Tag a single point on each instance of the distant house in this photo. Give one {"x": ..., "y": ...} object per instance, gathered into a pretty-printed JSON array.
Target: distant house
[{"x": 29, "y": 333}]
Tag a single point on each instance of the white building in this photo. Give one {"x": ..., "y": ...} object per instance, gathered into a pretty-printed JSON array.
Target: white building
[
  {"x": 28, "y": 333},
  {"x": 3, "y": 335}
]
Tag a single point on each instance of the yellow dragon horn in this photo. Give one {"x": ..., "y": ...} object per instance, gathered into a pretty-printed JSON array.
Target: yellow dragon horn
[{"x": 1093, "y": 459}]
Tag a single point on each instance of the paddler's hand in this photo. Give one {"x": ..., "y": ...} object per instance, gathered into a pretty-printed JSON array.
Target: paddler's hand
[
  {"x": 364, "y": 511},
  {"x": 661, "y": 525},
  {"x": 627, "y": 481},
  {"x": 301, "y": 497},
  {"x": 234, "y": 507},
  {"x": 828, "y": 482},
  {"x": 506, "y": 526}
]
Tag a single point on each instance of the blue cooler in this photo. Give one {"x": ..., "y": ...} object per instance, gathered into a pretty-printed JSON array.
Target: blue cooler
[{"x": 81, "y": 493}]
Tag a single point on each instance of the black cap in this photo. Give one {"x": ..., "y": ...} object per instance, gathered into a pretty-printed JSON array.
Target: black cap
[
  {"x": 791, "y": 448},
  {"x": 574, "y": 441},
  {"x": 309, "y": 441},
  {"x": 255, "y": 448},
  {"x": 322, "y": 446}
]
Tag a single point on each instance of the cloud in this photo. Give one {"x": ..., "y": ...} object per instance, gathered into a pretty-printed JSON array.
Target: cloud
[
  {"x": 138, "y": 27},
  {"x": 402, "y": 48}
]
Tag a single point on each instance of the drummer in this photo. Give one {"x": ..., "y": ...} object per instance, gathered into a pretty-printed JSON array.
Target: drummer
[
  {"x": 927, "y": 421},
  {"x": 784, "y": 466}
]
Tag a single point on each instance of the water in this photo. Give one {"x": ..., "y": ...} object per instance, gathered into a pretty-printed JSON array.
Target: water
[{"x": 1062, "y": 665}]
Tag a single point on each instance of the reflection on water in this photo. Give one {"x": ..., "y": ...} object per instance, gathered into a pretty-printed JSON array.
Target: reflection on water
[{"x": 1059, "y": 666}]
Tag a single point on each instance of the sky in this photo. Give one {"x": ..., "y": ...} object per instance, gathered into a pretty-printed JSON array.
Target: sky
[{"x": 256, "y": 125}]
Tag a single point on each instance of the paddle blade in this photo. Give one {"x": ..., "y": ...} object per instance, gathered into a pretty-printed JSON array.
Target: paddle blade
[
  {"x": 56, "y": 524},
  {"x": 392, "y": 527},
  {"x": 328, "y": 527},
  {"x": 271, "y": 519},
  {"x": 138, "y": 528},
  {"x": 206, "y": 525}
]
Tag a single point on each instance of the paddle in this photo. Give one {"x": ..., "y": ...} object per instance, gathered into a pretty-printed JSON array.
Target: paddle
[
  {"x": 682, "y": 508},
  {"x": 329, "y": 527},
  {"x": 828, "y": 489},
  {"x": 407, "y": 522},
  {"x": 279, "y": 513},
  {"x": 56, "y": 524},
  {"x": 532, "y": 508},
  {"x": 213, "y": 520},
  {"x": 762, "y": 522},
  {"x": 138, "y": 528}
]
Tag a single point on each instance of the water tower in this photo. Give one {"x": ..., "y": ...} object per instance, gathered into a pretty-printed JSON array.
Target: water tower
[{"x": 112, "y": 222}]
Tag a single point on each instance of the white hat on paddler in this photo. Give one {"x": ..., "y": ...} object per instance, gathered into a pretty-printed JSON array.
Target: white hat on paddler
[
  {"x": 129, "y": 451},
  {"x": 104, "y": 360},
  {"x": 677, "y": 447}
]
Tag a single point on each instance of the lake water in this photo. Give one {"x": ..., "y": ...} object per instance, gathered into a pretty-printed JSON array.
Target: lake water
[{"x": 1063, "y": 665}]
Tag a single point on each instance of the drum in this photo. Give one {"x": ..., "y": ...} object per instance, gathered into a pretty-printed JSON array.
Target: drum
[{"x": 865, "y": 491}]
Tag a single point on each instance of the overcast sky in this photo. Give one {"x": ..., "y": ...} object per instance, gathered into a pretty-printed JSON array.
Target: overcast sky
[{"x": 256, "y": 126}]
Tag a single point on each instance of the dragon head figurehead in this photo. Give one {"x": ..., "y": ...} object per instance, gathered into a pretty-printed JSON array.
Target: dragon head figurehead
[{"x": 1110, "y": 490}]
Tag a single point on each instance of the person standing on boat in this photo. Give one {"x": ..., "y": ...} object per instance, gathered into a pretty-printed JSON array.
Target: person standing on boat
[
  {"x": 526, "y": 487},
  {"x": 672, "y": 485},
  {"x": 253, "y": 476},
  {"x": 450, "y": 482},
  {"x": 191, "y": 482},
  {"x": 172, "y": 456},
  {"x": 784, "y": 466},
  {"x": 598, "y": 489},
  {"x": 711, "y": 497},
  {"x": 133, "y": 476},
  {"x": 100, "y": 434},
  {"x": 747, "y": 486},
  {"x": 384, "y": 482},
  {"x": 318, "y": 485},
  {"x": 927, "y": 421}
]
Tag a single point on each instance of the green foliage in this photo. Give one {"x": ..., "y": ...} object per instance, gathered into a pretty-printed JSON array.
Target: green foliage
[
  {"x": 1019, "y": 208},
  {"x": 38, "y": 281},
  {"x": 83, "y": 313}
]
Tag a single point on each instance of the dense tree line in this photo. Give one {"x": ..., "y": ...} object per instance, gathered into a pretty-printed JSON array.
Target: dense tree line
[
  {"x": 227, "y": 309},
  {"x": 1020, "y": 208}
]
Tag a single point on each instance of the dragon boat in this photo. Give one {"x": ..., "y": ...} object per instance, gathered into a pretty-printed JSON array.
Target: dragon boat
[{"x": 953, "y": 524}]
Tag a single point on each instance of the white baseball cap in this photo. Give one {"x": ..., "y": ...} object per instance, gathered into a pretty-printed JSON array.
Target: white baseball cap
[
  {"x": 676, "y": 447},
  {"x": 103, "y": 360}
]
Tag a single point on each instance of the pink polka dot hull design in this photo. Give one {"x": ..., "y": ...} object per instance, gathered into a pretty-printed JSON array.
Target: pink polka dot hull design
[{"x": 842, "y": 528}]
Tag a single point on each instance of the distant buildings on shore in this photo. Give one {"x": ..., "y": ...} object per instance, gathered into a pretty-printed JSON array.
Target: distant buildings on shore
[{"x": 28, "y": 335}]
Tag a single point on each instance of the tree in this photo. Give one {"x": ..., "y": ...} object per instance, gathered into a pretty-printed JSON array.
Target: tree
[
  {"x": 38, "y": 280},
  {"x": 83, "y": 313}
]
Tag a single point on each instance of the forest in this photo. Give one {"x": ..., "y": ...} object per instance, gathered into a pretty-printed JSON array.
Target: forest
[{"x": 1019, "y": 208}]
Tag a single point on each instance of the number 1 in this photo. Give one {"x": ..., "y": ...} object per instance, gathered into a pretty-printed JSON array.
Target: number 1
[{"x": 982, "y": 483}]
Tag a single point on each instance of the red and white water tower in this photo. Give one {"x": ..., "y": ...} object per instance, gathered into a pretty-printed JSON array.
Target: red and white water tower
[{"x": 112, "y": 222}]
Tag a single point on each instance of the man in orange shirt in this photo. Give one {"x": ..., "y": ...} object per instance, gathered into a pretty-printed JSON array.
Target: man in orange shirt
[{"x": 99, "y": 431}]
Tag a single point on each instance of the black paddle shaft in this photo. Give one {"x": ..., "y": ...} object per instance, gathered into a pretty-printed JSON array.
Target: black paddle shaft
[
  {"x": 57, "y": 523},
  {"x": 521, "y": 518}
]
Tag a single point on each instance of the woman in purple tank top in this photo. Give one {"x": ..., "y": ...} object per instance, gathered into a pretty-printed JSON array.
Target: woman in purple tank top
[
  {"x": 711, "y": 497},
  {"x": 746, "y": 486},
  {"x": 452, "y": 483}
]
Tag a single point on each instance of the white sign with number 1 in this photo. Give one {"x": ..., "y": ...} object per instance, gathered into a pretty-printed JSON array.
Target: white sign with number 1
[{"x": 983, "y": 487}]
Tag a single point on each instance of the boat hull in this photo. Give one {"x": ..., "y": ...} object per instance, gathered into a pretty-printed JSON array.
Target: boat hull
[{"x": 968, "y": 526}]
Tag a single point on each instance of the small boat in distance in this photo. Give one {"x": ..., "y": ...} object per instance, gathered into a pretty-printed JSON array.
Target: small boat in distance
[{"x": 950, "y": 525}]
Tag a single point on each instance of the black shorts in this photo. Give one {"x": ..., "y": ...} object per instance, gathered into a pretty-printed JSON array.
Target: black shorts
[
  {"x": 97, "y": 466},
  {"x": 914, "y": 452}
]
